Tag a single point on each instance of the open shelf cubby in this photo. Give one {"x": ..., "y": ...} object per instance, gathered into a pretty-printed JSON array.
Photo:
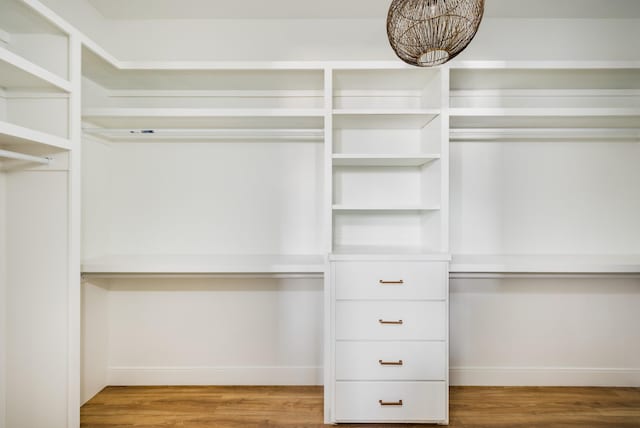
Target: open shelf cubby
[
  {"x": 34, "y": 82},
  {"x": 388, "y": 176}
]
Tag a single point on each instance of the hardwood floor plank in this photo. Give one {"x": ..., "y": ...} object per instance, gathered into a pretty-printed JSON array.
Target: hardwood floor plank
[{"x": 302, "y": 406}]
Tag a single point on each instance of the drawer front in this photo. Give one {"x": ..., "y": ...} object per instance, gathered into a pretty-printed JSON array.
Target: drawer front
[
  {"x": 391, "y": 361},
  {"x": 361, "y": 401},
  {"x": 391, "y": 280},
  {"x": 390, "y": 320}
]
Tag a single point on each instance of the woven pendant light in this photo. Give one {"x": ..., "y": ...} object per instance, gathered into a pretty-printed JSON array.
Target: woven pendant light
[{"x": 426, "y": 33}]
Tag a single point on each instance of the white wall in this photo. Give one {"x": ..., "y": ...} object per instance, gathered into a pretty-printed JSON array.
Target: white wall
[
  {"x": 343, "y": 39},
  {"x": 96, "y": 203},
  {"x": 215, "y": 331},
  {"x": 545, "y": 198},
  {"x": 545, "y": 331},
  {"x": 204, "y": 198},
  {"x": 500, "y": 39}
]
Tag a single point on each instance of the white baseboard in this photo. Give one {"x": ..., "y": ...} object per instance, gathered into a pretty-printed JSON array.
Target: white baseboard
[
  {"x": 469, "y": 376},
  {"x": 544, "y": 376},
  {"x": 152, "y": 376}
]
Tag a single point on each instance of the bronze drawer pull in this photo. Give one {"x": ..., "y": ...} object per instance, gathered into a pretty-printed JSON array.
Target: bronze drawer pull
[
  {"x": 391, "y": 363},
  {"x": 399, "y": 322},
  {"x": 383, "y": 282},
  {"x": 390, "y": 403}
]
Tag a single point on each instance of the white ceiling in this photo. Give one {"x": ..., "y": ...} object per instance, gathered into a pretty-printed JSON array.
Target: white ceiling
[{"x": 326, "y": 9}]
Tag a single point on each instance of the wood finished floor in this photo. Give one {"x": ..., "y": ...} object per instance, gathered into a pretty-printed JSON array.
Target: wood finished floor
[{"x": 471, "y": 407}]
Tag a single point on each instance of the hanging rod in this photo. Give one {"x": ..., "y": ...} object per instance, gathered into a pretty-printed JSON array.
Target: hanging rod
[
  {"x": 21, "y": 156},
  {"x": 204, "y": 134}
]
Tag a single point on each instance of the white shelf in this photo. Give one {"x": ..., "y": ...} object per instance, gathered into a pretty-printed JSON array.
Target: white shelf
[
  {"x": 545, "y": 118},
  {"x": 542, "y": 134},
  {"x": 576, "y": 264},
  {"x": 171, "y": 118},
  {"x": 386, "y": 253},
  {"x": 578, "y": 75},
  {"x": 351, "y": 207},
  {"x": 383, "y": 119},
  {"x": 203, "y": 75},
  {"x": 14, "y": 136},
  {"x": 203, "y": 264},
  {"x": 383, "y": 160},
  {"x": 18, "y": 73}
]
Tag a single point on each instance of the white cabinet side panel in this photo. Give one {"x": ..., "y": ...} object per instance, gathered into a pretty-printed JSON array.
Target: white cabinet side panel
[
  {"x": 37, "y": 299},
  {"x": 95, "y": 343},
  {"x": 3, "y": 301}
]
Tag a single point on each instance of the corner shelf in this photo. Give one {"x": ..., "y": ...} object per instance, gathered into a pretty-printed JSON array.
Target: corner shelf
[
  {"x": 545, "y": 264},
  {"x": 19, "y": 73},
  {"x": 384, "y": 119},
  {"x": 382, "y": 160},
  {"x": 136, "y": 265}
]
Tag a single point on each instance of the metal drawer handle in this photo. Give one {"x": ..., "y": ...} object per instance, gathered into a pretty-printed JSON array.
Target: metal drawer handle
[
  {"x": 390, "y": 403},
  {"x": 391, "y": 363},
  {"x": 383, "y": 282},
  {"x": 399, "y": 322}
]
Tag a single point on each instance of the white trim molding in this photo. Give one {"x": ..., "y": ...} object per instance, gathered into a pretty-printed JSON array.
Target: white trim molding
[
  {"x": 545, "y": 376},
  {"x": 174, "y": 376}
]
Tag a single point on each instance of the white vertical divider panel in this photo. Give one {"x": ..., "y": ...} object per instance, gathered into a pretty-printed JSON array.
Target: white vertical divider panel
[
  {"x": 328, "y": 245},
  {"x": 444, "y": 206},
  {"x": 74, "y": 230},
  {"x": 3, "y": 302},
  {"x": 444, "y": 159}
]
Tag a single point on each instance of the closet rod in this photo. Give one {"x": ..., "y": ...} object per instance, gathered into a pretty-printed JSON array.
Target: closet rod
[
  {"x": 21, "y": 156},
  {"x": 218, "y": 133}
]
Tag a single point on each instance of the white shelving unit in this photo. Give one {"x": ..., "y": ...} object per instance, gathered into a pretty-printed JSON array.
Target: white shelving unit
[
  {"x": 502, "y": 112},
  {"x": 240, "y": 185},
  {"x": 534, "y": 101},
  {"x": 388, "y": 151},
  {"x": 39, "y": 180}
]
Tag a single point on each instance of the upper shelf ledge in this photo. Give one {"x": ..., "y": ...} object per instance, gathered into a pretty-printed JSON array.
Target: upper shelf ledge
[
  {"x": 556, "y": 264},
  {"x": 18, "y": 73},
  {"x": 203, "y": 264}
]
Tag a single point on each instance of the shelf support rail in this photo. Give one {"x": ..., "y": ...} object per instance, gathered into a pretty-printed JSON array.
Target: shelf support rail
[{"x": 23, "y": 157}]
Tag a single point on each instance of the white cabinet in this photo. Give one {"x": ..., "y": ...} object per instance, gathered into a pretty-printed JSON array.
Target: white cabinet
[{"x": 388, "y": 310}]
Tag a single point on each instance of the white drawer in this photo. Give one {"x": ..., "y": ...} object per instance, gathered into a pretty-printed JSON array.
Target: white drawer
[
  {"x": 391, "y": 280},
  {"x": 421, "y": 402},
  {"x": 356, "y": 320},
  {"x": 391, "y": 361}
]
